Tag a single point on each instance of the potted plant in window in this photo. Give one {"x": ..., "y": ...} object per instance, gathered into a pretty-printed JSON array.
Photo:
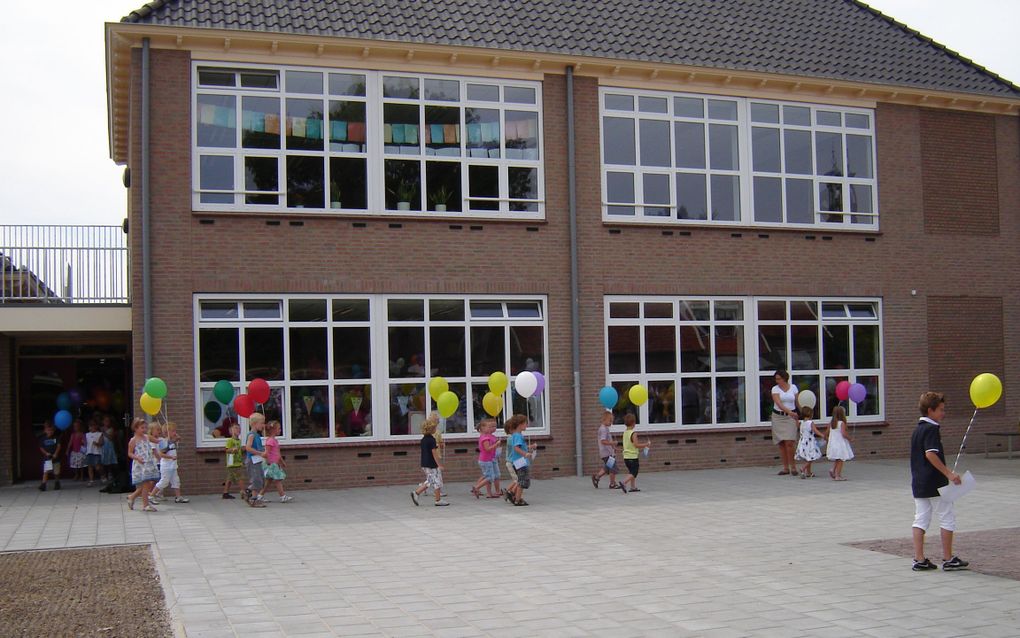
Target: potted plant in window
[
  {"x": 404, "y": 192},
  {"x": 334, "y": 195},
  {"x": 440, "y": 198}
]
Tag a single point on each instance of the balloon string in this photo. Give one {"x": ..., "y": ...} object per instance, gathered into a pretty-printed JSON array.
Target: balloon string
[{"x": 964, "y": 441}]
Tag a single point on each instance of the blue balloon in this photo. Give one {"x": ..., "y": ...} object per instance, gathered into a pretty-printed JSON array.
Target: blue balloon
[
  {"x": 62, "y": 420},
  {"x": 608, "y": 396},
  {"x": 64, "y": 401}
]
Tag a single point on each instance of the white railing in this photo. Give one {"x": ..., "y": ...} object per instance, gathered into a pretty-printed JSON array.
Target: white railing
[{"x": 64, "y": 265}]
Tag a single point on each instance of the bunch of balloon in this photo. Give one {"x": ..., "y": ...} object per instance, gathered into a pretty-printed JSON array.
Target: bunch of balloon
[
  {"x": 492, "y": 402},
  {"x": 66, "y": 401},
  {"x": 153, "y": 393},
  {"x": 985, "y": 391}
]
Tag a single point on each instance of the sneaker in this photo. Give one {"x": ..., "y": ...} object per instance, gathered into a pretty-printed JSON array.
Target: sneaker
[
  {"x": 89, "y": 484},
  {"x": 953, "y": 564},
  {"x": 154, "y": 500},
  {"x": 286, "y": 498},
  {"x": 42, "y": 487},
  {"x": 414, "y": 498},
  {"x": 56, "y": 485},
  {"x": 228, "y": 496},
  {"x": 923, "y": 565},
  {"x": 182, "y": 499},
  {"x": 595, "y": 481},
  {"x": 441, "y": 503}
]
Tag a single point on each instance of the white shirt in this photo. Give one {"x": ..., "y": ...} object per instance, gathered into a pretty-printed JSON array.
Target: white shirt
[
  {"x": 788, "y": 399},
  {"x": 167, "y": 446},
  {"x": 93, "y": 443}
]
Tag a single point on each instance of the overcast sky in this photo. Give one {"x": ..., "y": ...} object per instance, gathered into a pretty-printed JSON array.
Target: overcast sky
[{"x": 55, "y": 168}]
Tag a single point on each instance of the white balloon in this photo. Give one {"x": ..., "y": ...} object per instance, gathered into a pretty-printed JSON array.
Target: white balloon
[
  {"x": 526, "y": 384},
  {"x": 807, "y": 399}
]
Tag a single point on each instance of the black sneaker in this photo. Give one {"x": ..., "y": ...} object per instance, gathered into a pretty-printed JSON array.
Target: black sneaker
[
  {"x": 923, "y": 565},
  {"x": 228, "y": 496},
  {"x": 953, "y": 564},
  {"x": 42, "y": 487}
]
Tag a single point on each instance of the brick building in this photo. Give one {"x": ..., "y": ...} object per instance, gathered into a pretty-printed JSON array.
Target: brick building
[{"x": 346, "y": 199}]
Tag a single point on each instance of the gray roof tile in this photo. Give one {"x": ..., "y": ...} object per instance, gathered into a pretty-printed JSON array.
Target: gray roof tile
[{"x": 832, "y": 39}]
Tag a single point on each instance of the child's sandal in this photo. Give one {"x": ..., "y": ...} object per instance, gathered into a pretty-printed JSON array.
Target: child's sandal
[{"x": 475, "y": 492}]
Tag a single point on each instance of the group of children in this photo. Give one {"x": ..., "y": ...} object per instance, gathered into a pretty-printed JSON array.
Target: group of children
[
  {"x": 92, "y": 453},
  {"x": 837, "y": 448},
  {"x": 153, "y": 463},
  {"x": 259, "y": 458}
]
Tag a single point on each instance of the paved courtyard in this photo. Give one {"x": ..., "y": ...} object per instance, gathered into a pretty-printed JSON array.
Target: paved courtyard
[{"x": 735, "y": 552}]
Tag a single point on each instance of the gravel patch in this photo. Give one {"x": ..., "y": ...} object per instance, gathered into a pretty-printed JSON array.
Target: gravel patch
[
  {"x": 98, "y": 592},
  {"x": 995, "y": 552}
]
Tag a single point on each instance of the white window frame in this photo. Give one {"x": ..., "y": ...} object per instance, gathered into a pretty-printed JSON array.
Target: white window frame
[
  {"x": 745, "y": 171},
  {"x": 752, "y": 372},
  {"x": 380, "y": 380},
  {"x": 375, "y": 156}
]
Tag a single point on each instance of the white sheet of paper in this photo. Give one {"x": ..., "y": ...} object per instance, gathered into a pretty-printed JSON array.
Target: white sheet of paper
[
  {"x": 952, "y": 491},
  {"x": 47, "y": 465}
]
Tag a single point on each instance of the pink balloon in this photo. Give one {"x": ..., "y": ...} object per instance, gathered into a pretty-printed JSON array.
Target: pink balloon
[
  {"x": 858, "y": 392},
  {"x": 541, "y": 382},
  {"x": 843, "y": 390}
]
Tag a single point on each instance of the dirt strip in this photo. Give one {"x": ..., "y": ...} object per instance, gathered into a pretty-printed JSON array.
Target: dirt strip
[{"x": 995, "y": 552}]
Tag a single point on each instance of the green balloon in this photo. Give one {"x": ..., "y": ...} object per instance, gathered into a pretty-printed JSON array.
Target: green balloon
[
  {"x": 155, "y": 388},
  {"x": 223, "y": 391},
  {"x": 213, "y": 411}
]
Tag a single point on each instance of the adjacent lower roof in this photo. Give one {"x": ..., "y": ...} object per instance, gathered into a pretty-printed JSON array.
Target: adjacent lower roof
[{"x": 832, "y": 39}]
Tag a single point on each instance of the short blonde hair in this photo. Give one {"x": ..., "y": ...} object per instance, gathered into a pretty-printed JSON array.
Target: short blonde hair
[
  {"x": 431, "y": 424},
  {"x": 256, "y": 417},
  {"x": 170, "y": 427}
]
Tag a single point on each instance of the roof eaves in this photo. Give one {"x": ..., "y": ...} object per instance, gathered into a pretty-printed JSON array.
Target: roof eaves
[{"x": 938, "y": 45}]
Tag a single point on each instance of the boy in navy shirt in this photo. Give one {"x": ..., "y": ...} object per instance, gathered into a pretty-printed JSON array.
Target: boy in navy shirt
[
  {"x": 928, "y": 472},
  {"x": 49, "y": 445}
]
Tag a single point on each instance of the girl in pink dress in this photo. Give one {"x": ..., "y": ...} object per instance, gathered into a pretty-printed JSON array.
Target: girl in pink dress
[{"x": 275, "y": 462}]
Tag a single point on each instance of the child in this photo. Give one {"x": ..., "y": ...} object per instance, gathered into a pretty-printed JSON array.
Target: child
[
  {"x": 807, "y": 448},
  {"x": 274, "y": 463},
  {"x": 144, "y": 471},
  {"x": 109, "y": 455},
  {"x": 430, "y": 465},
  {"x": 155, "y": 437},
  {"x": 49, "y": 445},
  {"x": 168, "y": 465},
  {"x": 76, "y": 450},
  {"x": 838, "y": 449},
  {"x": 488, "y": 445},
  {"x": 607, "y": 450},
  {"x": 508, "y": 429},
  {"x": 631, "y": 454},
  {"x": 255, "y": 455},
  {"x": 520, "y": 457},
  {"x": 928, "y": 472},
  {"x": 235, "y": 461},
  {"x": 94, "y": 451}
]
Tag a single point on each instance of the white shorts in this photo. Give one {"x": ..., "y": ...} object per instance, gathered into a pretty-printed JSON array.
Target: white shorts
[
  {"x": 923, "y": 508},
  {"x": 168, "y": 477}
]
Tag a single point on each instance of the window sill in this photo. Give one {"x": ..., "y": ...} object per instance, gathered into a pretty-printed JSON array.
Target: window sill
[
  {"x": 364, "y": 216},
  {"x": 716, "y": 429},
  {"x": 669, "y": 224}
]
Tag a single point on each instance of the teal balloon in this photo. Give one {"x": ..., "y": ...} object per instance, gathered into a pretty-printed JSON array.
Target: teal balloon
[
  {"x": 155, "y": 388},
  {"x": 223, "y": 391},
  {"x": 213, "y": 411}
]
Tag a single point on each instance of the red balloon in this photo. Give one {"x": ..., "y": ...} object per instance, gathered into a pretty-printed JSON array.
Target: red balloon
[
  {"x": 843, "y": 390},
  {"x": 243, "y": 405},
  {"x": 258, "y": 390}
]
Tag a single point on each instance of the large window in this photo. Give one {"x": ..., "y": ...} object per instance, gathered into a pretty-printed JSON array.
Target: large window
[
  {"x": 348, "y": 141},
  {"x": 686, "y": 158},
  {"x": 708, "y": 361},
  {"x": 359, "y": 366}
]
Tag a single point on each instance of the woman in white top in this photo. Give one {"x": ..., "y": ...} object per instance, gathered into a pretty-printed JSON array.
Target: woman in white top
[{"x": 784, "y": 420}]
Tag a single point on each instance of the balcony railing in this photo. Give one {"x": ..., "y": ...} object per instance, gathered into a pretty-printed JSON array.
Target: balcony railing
[{"x": 64, "y": 265}]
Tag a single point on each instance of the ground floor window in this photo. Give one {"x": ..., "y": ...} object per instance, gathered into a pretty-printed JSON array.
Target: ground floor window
[
  {"x": 344, "y": 366},
  {"x": 710, "y": 361}
]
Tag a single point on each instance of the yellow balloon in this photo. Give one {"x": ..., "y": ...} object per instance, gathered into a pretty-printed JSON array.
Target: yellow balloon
[
  {"x": 150, "y": 405},
  {"x": 492, "y": 404},
  {"x": 447, "y": 404},
  {"x": 638, "y": 394},
  {"x": 985, "y": 390},
  {"x": 437, "y": 386},
  {"x": 498, "y": 383}
]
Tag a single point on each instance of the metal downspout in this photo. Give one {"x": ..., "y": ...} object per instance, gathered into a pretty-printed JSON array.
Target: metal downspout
[
  {"x": 146, "y": 196},
  {"x": 575, "y": 321}
]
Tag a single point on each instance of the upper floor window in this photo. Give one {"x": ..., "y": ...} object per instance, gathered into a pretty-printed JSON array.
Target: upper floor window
[
  {"x": 272, "y": 138},
  {"x": 682, "y": 158}
]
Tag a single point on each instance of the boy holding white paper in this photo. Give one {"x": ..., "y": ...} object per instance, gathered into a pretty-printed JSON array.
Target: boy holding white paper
[
  {"x": 49, "y": 446},
  {"x": 929, "y": 472}
]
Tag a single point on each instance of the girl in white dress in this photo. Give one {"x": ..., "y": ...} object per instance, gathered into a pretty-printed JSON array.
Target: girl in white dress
[
  {"x": 838, "y": 449},
  {"x": 807, "y": 447}
]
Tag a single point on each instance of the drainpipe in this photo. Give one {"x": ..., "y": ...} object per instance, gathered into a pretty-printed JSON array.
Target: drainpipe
[
  {"x": 575, "y": 327},
  {"x": 146, "y": 196}
]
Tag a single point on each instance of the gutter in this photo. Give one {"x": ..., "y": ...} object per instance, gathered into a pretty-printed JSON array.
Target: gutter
[
  {"x": 575, "y": 328},
  {"x": 146, "y": 206}
]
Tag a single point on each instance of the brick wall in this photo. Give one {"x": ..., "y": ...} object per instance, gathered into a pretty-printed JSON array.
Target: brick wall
[
  {"x": 330, "y": 255},
  {"x": 958, "y": 169},
  {"x": 7, "y": 425}
]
